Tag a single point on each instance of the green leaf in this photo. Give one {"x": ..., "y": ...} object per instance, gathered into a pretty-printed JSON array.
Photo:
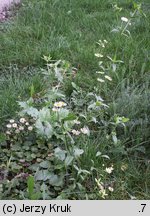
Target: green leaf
[
  {"x": 42, "y": 175},
  {"x": 30, "y": 184},
  {"x": 60, "y": 154},
  {"x": 70, "y": 117},
  {"x": 44, "y": 129},
  {"x": 55, "y": 180},
  {"x": 124, "y": 120},
  {"x": 77, "y": 152},
  {"x": 63, "y": 113},
  {"x": 45, "y": 164},
  {"x": 31, "y": 111},
  {"x": 44, "y": 114},
  {"x": 68, "y": 160},
  {"x": 32, "y": 90}
]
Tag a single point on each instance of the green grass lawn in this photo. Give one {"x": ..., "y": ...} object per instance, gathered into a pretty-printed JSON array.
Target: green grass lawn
[{"x": 69, "y": 30}]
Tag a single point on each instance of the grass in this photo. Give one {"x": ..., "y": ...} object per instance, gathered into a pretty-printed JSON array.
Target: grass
[{"x": 69, "y": 30}]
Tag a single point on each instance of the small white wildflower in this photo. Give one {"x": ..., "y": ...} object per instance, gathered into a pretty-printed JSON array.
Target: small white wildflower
[
  {"x": 105, "y": 41},
  {"x": 30, "y": 128},
  {"x": 75, "y": 132},
  {"x": 77, "y": 122},
  {"x": 100, "y": 80},
  {"x": 108, "y": 77},
  {"x": 21, "y": 128},
  {"x": 8, "y": 133},
  {"x": 85, "y": 130},
  {"x": 124, "y": 167},
  {"x": 98, "y": 55},
  {"x": 22, "y": 120},
  {"x": 111, "y": 189},
  {"x": 109, "y": 169},
  {"x": 60, "y": 104},
  {"x": 14, "y": 125},
  {"x": 17, "y": 131},
  {"x": 103, "y": 193},
  {"x": 100, "y": 72},
  {"x": 55, "y": 109},
  {"x": 27, "y": 123},
  {"x": 8, "y": 126},
  {"x": 11, "y": 120},
  {"x": 124, "y": 19},
  {"x": 22, "y": 160}
]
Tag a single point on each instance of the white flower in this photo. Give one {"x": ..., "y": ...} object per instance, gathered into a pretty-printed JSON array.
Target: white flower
[
  {"x": 17, "y": 131},
  {"x": 85, "y": 130},
  {"x": 8, "y": 125},
  {"x": 22, "y": 120},
  {"x": 109, "y": 169},
  {"x": 100, "y": 80},
  {"x": 105, "y": 41},
  {"x": 8, "y": 133},
  {"x": 21, "y": 128},
  {"x": 14, "y": 125},
  {"x": 110, "y": 189},
  {"x": 75, "y": 132},
  {"x": 60, "y": 104},
  {"x": 30, "y": 128},
  {"x": 11, "y": 120},
  {"x": 55, "y": 109},
  {"x": 108, "y": 77},
  {"x": 27, "y": 123},
  {"x": 124, "y": 19},
  {"x": 77, "y": 122},
  {"x": 98, "y": 55}
]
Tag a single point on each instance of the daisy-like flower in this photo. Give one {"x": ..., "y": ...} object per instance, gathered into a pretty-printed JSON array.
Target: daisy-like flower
[
  {"x": 60, "y": 104},
  {"x": 124, "y": 19},
  {"x": 98, "y": 55},
  {"x": 22, "y": 120},
  {"x": 11, "y": 121},
  {"x": 108, "y": 77},
  {"x": 111, "y": 189},
  {"x": 75, "y": 132},
  {"x": 27, "y": 123},
  {"x": 14, "y": 125},
  {"x": 109, "y": 169},
  {"x": 30, "y": 128},
  {"x": 8, "y": 126},
  {"x": 85, "y": 130}
]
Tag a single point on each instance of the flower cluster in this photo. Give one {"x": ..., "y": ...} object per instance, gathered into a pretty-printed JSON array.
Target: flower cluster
[
  {"x": 58, "y": 105},
  {"x": 18, "y": 126},
  {"x": 84, "y": 130},
  {"x": 109, "y": 169},
  {"x": 102, "y": 188},
  {"x": 102, "y": 44}
]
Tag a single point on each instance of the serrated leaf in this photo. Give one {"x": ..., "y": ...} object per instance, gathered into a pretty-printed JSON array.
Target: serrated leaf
[
  {"x": 55, "y": 180},
  {"x": 60, "y": 154},
  {"x": 45, "y": 164}
]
